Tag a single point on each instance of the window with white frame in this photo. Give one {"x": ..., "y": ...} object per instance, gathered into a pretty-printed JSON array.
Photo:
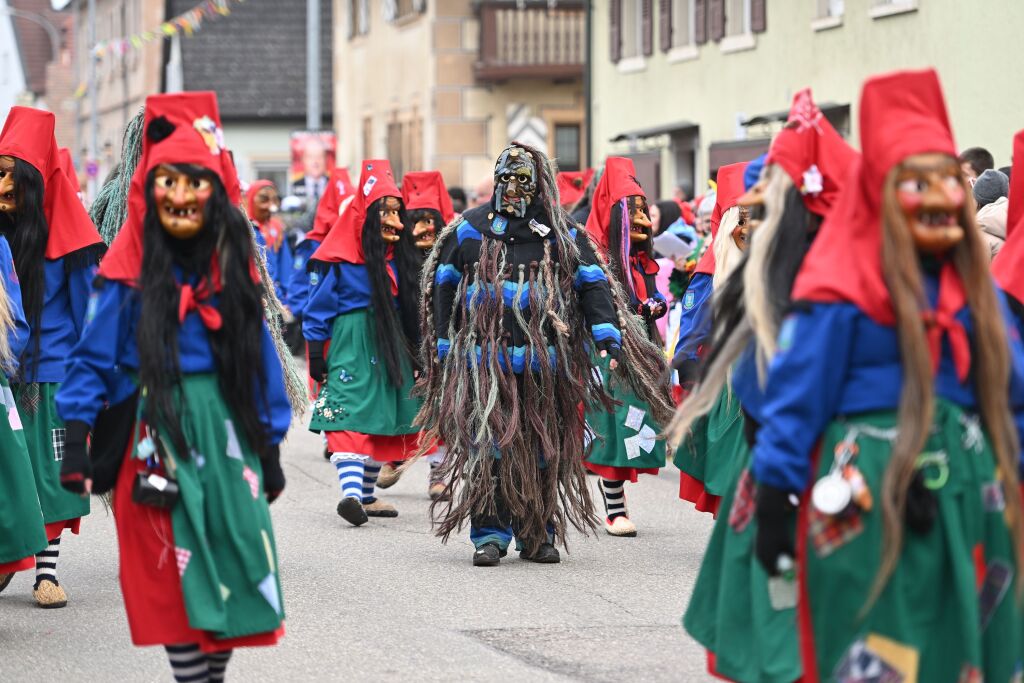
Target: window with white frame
[
  {"x": 884, "y": 8},
  {"x": 829, "y": 9},
  {"x": 737, "y": 17},
  {"x": 632, "y": 29},
  {"x": 683, "y": 23}
]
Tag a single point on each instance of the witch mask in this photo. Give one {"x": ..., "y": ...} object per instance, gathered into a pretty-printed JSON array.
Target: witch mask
[
  {"x": 515, "y": 181},
  {"x": 181, "y": 198},
  {"x": 424, "y": 228},
  {"x": 266, "y": 203},
  {"x": 639, "y": 219},
  {"x": 930, "y": 195},
  {"x": 390, "y": 219},
  {"x": 8, "y": 196},
  {"x": 741, "y": 233}
]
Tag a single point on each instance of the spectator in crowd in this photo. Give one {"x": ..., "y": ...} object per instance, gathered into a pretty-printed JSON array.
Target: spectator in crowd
[
  {"x": 975, "y": 161},
  {"x": 990, "y": 192},
  {"x": 663, "y": 214},
  {"x": 1005, "y": 170},
  {"x": 458, "y": 196}
]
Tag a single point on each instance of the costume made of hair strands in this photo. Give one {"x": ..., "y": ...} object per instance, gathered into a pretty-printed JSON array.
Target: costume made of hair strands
[
  {"x": 109, "y": 211},
  {"x": 521, "y": 436}
]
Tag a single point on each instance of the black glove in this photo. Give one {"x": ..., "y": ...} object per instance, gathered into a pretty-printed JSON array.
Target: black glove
[
  {"x": 273, "y": 475},
  {"x": 75, "y": 466},
  {"x": 688, "y": 369},
  {"x": 612, "y": 347},
  {"x": 775, "y": 516},
  {"x": 652, "y": 309},
  {"x": 922, "y": 507},
  {"x": 317, "y": 364}
]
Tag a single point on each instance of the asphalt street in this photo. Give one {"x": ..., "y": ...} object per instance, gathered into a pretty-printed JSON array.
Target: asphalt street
[{"x": 387, "y": 601}]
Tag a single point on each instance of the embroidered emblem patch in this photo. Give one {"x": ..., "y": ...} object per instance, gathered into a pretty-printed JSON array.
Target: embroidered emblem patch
[
  {"x": 90, "y": 310},
  {"x": 314, "y": 279},
  {"x": 786, "y": 334},
  {"x": 211, "y": 133},
  {"x": 499, "y": 225},
  {"x": 688, "y": 300},
  {"x": 297, "y": 263},
  {"x": 368, "y": 185}
]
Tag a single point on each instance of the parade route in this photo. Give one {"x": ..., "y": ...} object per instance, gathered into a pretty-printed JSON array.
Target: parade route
[{"x": 387, "y": 601}]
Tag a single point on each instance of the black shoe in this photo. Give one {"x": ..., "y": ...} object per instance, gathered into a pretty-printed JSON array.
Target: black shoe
[
  {"x": 327, "y": 454},
  {"x": 351, "y": 510},
  {"x": 488, "y": 555},
  {"x": 546, "y": 554}
]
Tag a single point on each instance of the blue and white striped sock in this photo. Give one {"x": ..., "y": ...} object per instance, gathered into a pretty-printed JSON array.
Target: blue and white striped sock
[
  {"x": 370, "y": 473},
  {"x": 350, "y": 473}
]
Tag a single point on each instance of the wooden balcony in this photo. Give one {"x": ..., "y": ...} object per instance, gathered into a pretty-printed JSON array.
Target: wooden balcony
[{"x": 530, "y": 40}]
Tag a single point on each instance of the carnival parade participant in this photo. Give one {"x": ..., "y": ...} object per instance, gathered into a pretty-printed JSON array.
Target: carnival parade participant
[
  {"x": 175, "y": 341},
  {"x": 366, "y": 370},
  {"x": 262, "y": 203},
  {"x": 514, "y": 299},
  {"x": 624, "y": 443},
  {"x": 22, "y": 531},
  {"x": 730, "y": 606},
  {"x": 55, "y": 248},
  {"x": 900, "y": 368},
  {"x": 428, "y": 208},
  {"x": 1008, "y": 266}
]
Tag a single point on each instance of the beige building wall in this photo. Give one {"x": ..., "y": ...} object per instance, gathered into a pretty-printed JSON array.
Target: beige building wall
[
  {"x": 419, "y": 69},
  {"x": 974, "y": 47}
]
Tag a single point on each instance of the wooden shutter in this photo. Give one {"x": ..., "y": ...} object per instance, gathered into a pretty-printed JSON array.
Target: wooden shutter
[
  {"x": 615, "y": 37},
  {"x": 758, "y": 16},
  {"x": 665, "y": 24},
  {"x": 700, "y": 20},
  {"x": 647, "y": 26},
  {"x": 716, "y": 19}
]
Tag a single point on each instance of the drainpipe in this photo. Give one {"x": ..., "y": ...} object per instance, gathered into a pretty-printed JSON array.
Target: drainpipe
[{"x": 588, "y": 112}]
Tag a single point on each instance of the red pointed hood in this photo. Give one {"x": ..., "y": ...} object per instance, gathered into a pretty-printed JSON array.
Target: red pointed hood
[
  {"x": 339, "y": 188},
  {"x": 426, "y": 190},
  {"x": 179, "y": 128},
  {"x": 28, "y": 135},
  {"x": 67, "y": 164},
  {"x": 901, "y": 114},
  {"x": 572, "y": 185},
  {"x": 273, "y": 229},
  {"x": 617, "y": 182},
  {"x": 730, "y": 189},
  {"x": 812, "y": 153},
  {"x": 1008, "y": 267},
  {"x": 344, "y": 242}
]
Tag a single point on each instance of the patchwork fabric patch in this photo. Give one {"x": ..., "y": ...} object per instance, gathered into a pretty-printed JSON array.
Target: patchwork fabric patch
[
  {"x": 13, "y": 416},
  {"x": 234, "y": 450},
  {"x": 268, "y": 589},
  {"x": 992, "y": 497},
  {"x": 861, "y": 665},
  {"x": 831, "y": 532},
  {"x": 998, "y": 577},
  {"x": 182, "y": 555},
  {"x": 742, "y": 510},
  {"x": 253, "y": 480},
  {"x": 635, "y": 418},
  {"x": 58, "y": 437}
]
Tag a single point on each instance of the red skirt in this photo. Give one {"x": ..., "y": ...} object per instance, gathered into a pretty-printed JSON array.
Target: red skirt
[
  {"x": 18, "y": 565},
  {"x": 693, "y": 490},
  {"x": 380, "y": 448},
  {"x": 149, "y": 575},
  {"x": 618, "y": 473}
]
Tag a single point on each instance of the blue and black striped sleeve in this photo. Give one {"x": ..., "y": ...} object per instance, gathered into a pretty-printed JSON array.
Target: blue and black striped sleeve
[
  {"x": 446, "y": 283},
  {"x": 595, "y": 295}
]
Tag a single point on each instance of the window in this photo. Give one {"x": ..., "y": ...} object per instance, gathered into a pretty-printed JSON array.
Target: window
[
  {"x": 395, "y": 10},
  {"x": 276, "y": 173},
  {"x": 830, "y": 8},
  {"x": 567, "y": 146},
  {"x": 358, "y": 17},
  {"x": 632, "y": 23},
  {"x": 632, "y": 28},
  {"x": 682, "y": 22},
  {"x": 885, "y": 8},
  {"x": 405, "y": 144},
  {"x": 737, "y": 17}
]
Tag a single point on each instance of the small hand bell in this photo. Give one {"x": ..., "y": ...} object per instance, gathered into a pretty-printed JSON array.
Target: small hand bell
[{"x": 831, "y": 494}]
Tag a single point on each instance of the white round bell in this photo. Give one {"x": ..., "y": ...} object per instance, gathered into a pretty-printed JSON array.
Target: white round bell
[{"x": 831, "y": 494}]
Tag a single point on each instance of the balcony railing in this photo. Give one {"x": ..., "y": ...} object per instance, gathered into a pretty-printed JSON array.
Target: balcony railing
[{"x": 533, "y": 41}]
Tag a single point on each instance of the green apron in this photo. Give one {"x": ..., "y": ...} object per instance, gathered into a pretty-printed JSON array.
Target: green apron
[
  {"x": 715, "y": 451},
  {"x": 44, "y": 436},
  {"x": 358, "y": 396},
  {"x": 224, "y": 541},
  {"x": 22, "y": 532}
]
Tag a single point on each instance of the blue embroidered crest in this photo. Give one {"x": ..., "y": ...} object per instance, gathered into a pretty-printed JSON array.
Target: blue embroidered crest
[
  {"x": 297, "y": 263},
  {"x": 314, "y": 279},
  {"x": 90, "y": 311},
  {"x": 499, "y": 225},
  {"x": 688, "y": 299},
  {"x": 786, "y": 334}
]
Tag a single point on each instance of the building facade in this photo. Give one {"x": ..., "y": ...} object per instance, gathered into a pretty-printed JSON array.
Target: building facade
[
  {"x": 685, "y": 86},
  {"x": 445, "y": 84}
]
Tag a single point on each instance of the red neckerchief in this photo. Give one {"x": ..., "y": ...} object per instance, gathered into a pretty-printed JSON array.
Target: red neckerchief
[
  {"x": 197, "y": 298},
  {"x": 642, "y": 264},
  {"x": 942, "y": 321}
]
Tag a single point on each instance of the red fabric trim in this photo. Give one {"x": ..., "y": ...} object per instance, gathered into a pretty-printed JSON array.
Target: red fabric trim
[
  {"x": 711, "y": 667},
  {"x": 693, "y": 491},
  {"x": 24, "y": 564},
  {"x": 805, "y": 626},
  {"x": 380, "y": 448},
  {"x": 618, "y": 473},
  {"x": 54, "y": 529}
]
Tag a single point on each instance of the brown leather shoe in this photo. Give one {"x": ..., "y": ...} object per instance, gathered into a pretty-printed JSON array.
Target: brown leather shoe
[
  {"x": 389, "y": 475},
  {"x": 49, "y": 595},
  {"x": 378, "y": 508},
  {"x": 5, "y": 581}
]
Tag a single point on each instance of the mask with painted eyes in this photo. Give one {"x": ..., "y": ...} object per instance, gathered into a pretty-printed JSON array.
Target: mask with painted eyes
[
  {"x": 741, "y": 233},
  {"x": 265, "y": 204},
  {"x": 424, "y": 228},
  {"x": 8, "y": 191},
  {"x": 930, "y": 194},
  {"x": 181, "y": 199},
  {"x": 515, "y": 181},
  {"x": 390, "y": 219},
  {"x": 751, "y": 205},
  {"x": 639, "y": 220}
]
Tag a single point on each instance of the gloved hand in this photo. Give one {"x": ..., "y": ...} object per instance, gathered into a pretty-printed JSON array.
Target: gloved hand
[
  {"x": 776, "y": 517},
  {"x": 652, "y": 309},
  {"x": 317, "y": 363},
  {"x": 76, "y": 467},
  {"x": 273, "y": 475},
  {"x": 610, "y": 348},
  {"x": 922, "y": 507}
]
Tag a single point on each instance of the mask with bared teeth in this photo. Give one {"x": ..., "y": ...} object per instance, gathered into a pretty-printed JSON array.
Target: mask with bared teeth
[
  {"x": 930, "y": 193},
  {"x": 181, "y": 194}
]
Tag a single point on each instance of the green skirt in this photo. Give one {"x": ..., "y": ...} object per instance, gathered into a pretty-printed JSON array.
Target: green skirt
[
  {"x": 224, "y": 541},
  {"x": 22, "y": 532},
  {"x": 949, "y": 610},
  {"x": 626, "y": 438},
  {"x": 358, "y": 396},
  {"x": 729, "y": 612},
  {"x": 715, "y": 452},
  {"x": 44, "y": 436}
]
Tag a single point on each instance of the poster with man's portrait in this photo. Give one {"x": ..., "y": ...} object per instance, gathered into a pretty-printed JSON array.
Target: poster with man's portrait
[{"x": 312, "y": 161}]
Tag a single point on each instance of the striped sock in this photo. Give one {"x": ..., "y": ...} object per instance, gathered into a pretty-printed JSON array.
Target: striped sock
[
  {"x": 370, "y": 473},
  {"x": 46, "y": 562},
  {"x": 350, "y": 473},
  {"x": 218, "y": 665},
  {"x": 188, "y": 664},
  {"x": 614, "y": 497}
]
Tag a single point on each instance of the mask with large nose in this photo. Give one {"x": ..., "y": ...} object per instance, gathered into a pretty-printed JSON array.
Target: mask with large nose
[
  {"x": 181, "y": 196},
  {"x": 390, "y": 219},
  {"x": 8, "y": 191},
  {"x": 515, "y": 181},
  {"x": 931, "y": 195}
]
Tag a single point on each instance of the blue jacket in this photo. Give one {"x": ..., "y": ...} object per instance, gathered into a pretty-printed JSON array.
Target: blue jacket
[
  {"x": 297, "y": 285},
  {"x": 103, "y": 365},
  {"x": 695, "y": 321},
  {"x": 834, "y": 360},
  {"x": 343, "y": 288},
  {"x": 17, "y": 336}
]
